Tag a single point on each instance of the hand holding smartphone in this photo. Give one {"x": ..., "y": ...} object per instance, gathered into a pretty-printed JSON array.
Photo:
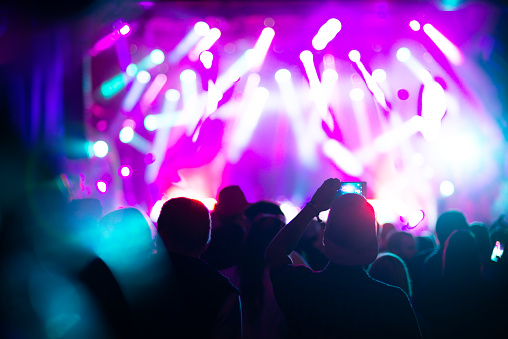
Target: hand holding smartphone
[{"x": 356, "y": 187}]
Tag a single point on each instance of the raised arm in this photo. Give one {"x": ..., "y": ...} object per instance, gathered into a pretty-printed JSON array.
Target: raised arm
[{"x": 286, "y": 240}]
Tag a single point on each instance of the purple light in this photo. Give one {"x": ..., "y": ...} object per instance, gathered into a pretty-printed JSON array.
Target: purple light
[
  {"x": 415, "y": 25},
  {"x": 125, "y": 171},
  {"x": 446, "y": 46},
  {"x": 326, "y": 34},
  {"x": 206, "y": 58},
  {"x": 125, "y": 30},
  {"x": 101, "y": 186},
  {"x": 354, "y": 55},
  {"x": 403, "y": 94}
]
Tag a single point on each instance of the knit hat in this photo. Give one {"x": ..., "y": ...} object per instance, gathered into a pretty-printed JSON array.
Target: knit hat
[
  {"x": 350, "y": 234},
  {"x": 231, "y": 201}
]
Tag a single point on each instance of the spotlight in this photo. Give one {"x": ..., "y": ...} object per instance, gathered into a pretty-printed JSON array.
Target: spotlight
[
  {"x": 403, "y": 54},
  {"x": 125, "y": 171},
  {"x": 143, "y": 77},
  {"x": 100, "y": 149},
  {"x": 282, "y": 75},
  {"x": 356, "y": 94},
  {"x": 131, "y": 70},
  {"x": 126, "y": 134},
  {"x": 446, "y": 188},
  {"x": 172, "y": 95},
  {"x": 379, "y": 75},
  {"x": 354, "y": 55},
  {"x": 201, "y": 28},
  {"x": 188, "y": 75},
  {"x": 157, "y": 56},
  {"x": 415, "y": 25},
  {"x": 101, "y": 186}
]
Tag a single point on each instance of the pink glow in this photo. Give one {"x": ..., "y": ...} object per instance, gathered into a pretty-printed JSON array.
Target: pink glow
[
  {"x": 154, "y": 89},
  {"x": 446, "y": 46},
  {"x": 205, "y": 43}
]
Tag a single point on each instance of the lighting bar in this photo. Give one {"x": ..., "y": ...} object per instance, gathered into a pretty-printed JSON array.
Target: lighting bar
[
  {"x": 205, "y": 43},
  {"x": 451, "y": 51}
]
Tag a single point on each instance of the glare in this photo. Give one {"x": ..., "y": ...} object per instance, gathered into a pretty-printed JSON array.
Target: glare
[
  {"x": 100, "y": 149},
  {"x": 206, "y": 58},
  {"x": 329, "y": 75},
  {"x": 415, "y": 218},
  {"x": 234, "y": 75},
  {"x": 125, "y": 30},
  {"x": 101, "y": 186},
  {"x": 282, "y": 75},
  {"x": 143, "y": 77},
  {"x": 403, "y": 54},
  {"x": 125, "y": 171},
  {"x": 157, "y": 56},
  {"x": 289, "y": 209},
  {"x": 131, "y": 70},
  {"x": 446, "y": 46},
  {"x": 156, "y": 210},
  {"x": 201, "y": 28},
  {"x": 354, "y": 55},
  {"x": 415, "y": 25},
  {"x": 126, "y": 134},
  {"x": 379, "y": 75},
  {"x": 151, "y": 122},
  {"x": 326, "y": 34},
  {"x": 172, "y": 95},
  {"x": 188, "y": 75},
  {"x": 356, "y": 94},
  {"x": 446, "y": 188},
  {"x": 306, "y": 56}
]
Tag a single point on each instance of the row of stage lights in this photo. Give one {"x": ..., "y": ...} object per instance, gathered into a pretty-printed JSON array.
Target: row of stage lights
[{"x": 196, "y": 46}]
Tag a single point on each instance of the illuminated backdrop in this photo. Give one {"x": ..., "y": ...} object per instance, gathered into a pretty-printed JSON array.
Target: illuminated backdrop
[{"x": 184, "y": 98}]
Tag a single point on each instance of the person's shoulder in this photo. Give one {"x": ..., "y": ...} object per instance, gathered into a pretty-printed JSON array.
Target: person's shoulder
[{"x": 387, "y": 290}]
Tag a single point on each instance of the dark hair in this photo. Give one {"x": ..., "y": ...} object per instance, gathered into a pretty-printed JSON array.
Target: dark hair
[
  {"x": 447, "y": 223},
  {"x": 461, "y": 259},
  {"x": 184, "y": 225},
  {"x": 252, "y": 264}
]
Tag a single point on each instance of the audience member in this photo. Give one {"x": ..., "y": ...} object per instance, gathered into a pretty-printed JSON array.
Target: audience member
[
  {"x": 228, "y": 229},
  {"x": 342, "y": 300},
  {"x": 391, "y": 269},
  {"x": 202, "y": 303},
  {"x": 402, "y": 244},
  {"x": 384, "y": 234},
  {"x": 460, "y": 304},
  {"x": 446, "y": 223},
  {"x": 424, "y": 246},
  {"x": 262, "y": 318}
]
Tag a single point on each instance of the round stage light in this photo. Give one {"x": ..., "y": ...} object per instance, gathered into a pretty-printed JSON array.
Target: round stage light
[
  {"x": 100, "y": 149},
  {"x": 379, "y": 75},
  {"x": 151, "y": 122},
  {"x": 403, "y": 54},
  {"x": 131, "y": 70},
  {"x": 125, "y": 30},
  {"x": 125, "y": 171},
  {"x": 415, "y": 25},
  {"x": 206, "y": 58},
  {"x": 354, "y": 55},
  {"x": 306, "y": 56},
  {"x": 329, "y": 76},
  {"x": 356, "y": 94},
  {"x": 201, "y": 28},
  {"x": 157, "y": 56},
  {"x": 126, "y": 134},
  {"x": 282, "y": 75},
  {"x": 143, "y": 77},
  {"x": 101, "y": 186},
  {"x": 446, "y": 188},
  {"x": 188, "y": 75},
  {"x": 172, "y": 95}
]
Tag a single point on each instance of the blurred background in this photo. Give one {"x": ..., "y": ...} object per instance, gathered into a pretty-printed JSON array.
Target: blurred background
[{"x": 134, "y": 103}]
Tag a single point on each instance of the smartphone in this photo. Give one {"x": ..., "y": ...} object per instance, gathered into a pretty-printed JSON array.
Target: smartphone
[
  {"x": 497, "y": 252},
  {"x": 357, "y": 187}
]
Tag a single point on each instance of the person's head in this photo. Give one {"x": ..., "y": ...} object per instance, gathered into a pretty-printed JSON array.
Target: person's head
[
  {"x": 125, "y": 233},
  {"x": 390, "y": 268},
  {"x": 184, "y": 226},
  {"x": 461, "y": 259},
  {"x": 424, "y": 243},
  {"x": 231, "y": 203},
  {"x": 447, "y": 223},
  {"x": 350, "y": 234},
  {"x": 263, "y": 208},
  {"x": 402, "y": 244},
  {"x": 481, "y": 234}
]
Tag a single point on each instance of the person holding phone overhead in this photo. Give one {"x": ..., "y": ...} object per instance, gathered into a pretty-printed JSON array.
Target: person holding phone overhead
[{"x": 342, "y": 300}]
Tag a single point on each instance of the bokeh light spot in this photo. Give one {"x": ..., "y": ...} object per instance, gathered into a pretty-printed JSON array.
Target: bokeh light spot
[
  {"x": 100, "y": 149},
  {"x": 403, "y": 94},
  {"x": 126, "y": 134},
  {"x": 446, "y": 188},
  {"x": 101, "y": 186}
]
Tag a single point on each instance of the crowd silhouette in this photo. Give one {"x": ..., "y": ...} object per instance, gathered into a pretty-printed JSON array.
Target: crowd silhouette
[{"x": 240, "y": 271}]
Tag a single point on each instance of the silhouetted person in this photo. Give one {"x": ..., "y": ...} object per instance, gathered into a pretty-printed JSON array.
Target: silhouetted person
[
  {"x": 402, "y": 244},
  {"x": 201, "y": 303},
  {"x": 228, "y": 228},
  {"x": 424, "y": 246},
  {"x": 384, "y": 233},
  {"x": 460, "y": 304},
  {"x": 262, "y": 317},
  {"x": 446, "y": 223},
  {"x": 342, "y": 300}
]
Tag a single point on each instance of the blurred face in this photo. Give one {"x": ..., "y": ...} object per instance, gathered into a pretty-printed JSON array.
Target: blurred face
[{"x": 407, "y": 248}]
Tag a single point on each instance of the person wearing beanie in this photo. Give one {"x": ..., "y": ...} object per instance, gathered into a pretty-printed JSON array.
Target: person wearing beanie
[{"x": 342, "y": 300}]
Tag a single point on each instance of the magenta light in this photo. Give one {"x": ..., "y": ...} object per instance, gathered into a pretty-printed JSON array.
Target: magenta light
[
  {"x": 354, "y": 55},
  {"x": 261, "y": 48},
  {"x": 205, "y": 43},
  {"x": 125, "y": 171},
  {"x": 125, "y": 30},
  {"x": 451, "y": 51},
  {"x": 415, "y": 25},
  {"x": 101, "y": 186},
  {"x": 326, "y": 34},
  {"x": 206, "y": 58}
]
